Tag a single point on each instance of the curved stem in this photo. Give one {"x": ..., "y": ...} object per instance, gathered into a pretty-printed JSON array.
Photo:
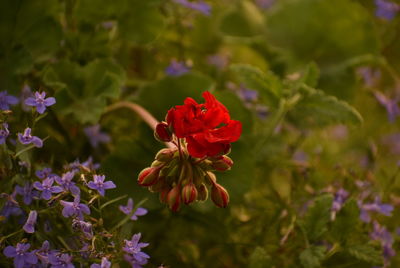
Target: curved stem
[{"x": 143, "y": 113}]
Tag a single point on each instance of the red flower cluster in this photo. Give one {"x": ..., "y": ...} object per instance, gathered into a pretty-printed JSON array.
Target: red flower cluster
[{"x": 207, "y": 127}]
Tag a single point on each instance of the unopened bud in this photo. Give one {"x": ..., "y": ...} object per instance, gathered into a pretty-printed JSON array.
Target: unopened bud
[
  {"x": 219, "y": 196},
  {"x": 223, "y": 163},
  {"x": 202, "y": 193},
  {"x": 159, "y": 185},
  {"x": 210, "y": 178},
  {"x": 162, "y": 132},
  {"x": 148, "y": 176},
  {"x": 174, "y": 198},
  {"x": 165, "y": 155},
  {"x": 156, "y": 163},
  {"x": 189, "y": 193},
  {"x": 164, "y": 194}
]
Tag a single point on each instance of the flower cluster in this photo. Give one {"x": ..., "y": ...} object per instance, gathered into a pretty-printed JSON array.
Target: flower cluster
[{"x": 202, "y": 134}]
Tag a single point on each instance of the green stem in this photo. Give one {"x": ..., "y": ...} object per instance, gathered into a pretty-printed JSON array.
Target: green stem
[
  {"x": 27, "y": 148},
  {"x": 113, "y": 201},
  {"x": 7, "y": 236}
]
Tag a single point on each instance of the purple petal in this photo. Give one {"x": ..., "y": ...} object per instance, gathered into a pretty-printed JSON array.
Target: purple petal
[
  {"x": 10, "y": 252},
  {"x": 37, "y": 141},
  {"x": 56, "y": 189},
  {"x": 11, "y": 100},
  {"x": 29, "y": 228},
  {"x": 38, "y": 185},
  {"x": 30, "y": 101},
  {"x": 31, "y": 258},
  {"x": 92, "y": 185},
  {"x": 46, "y": 195},
  {"x": 40, "y": 108},
  {"x": 141, "y": 212},
  {"x": 19, "y": 262},
  {"x": 49, "y": 101},
  {"x": 85, "y": 209},
  {"x": 109, "y": 185}
]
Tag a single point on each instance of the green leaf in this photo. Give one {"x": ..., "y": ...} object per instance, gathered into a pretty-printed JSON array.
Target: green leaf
[
  {"x": 259, "y": 259},
  {"x": 346, "y": 221},
  {"x": 317, "y": 217},
  {"x": 267, "y": 84},
  {"x": 316, "y": 109},
  {"x": 311, "y": 75},
  {"x": 312, "y": 256},
  {"x": 366, "y": 253}
]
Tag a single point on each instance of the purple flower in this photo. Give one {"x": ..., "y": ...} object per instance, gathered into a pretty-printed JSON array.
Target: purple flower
[
  {"x": 21, "y": 255},
  {"x": 176, "y": 68},
  {"x": 135, "y": 256},
  {"x": 40, "y": 102},
  {"x": 44, "y": 173},
  {"x": 220, "y": 61},
  {"x": 74, "y": 208},
  {"x": 380, "y": 233},
  {"x": 29, "y": 226},
  {"x": 369, "y": 75},
  {"x": 89, "y": 164},
  {"x": 200, "y": 6},
  {"x": 60, "y": 261},
  {"x": 128, "y": 210},
  {"x": 47, "y": 188},
  {"x": 248, "y": 95},
  {"x": 83, "y": 226},
  {"x": 11, "y": 207},
  {"x": 4, "y": 133},
  {"x": 386, "y": 9},
  {"x": 340, "y": 197},
  {"x": 26, "y": 192},
  {"x": 376, "y": 206},
  {"x": 7, "y": 100},
  {"x": 391, "y": 105},
  {"x": 44, "y": 252},
  {"x": 100, "y": 185},
  {"x": 65, "y": 181},
  {"x": 96, "y": 136},
  {"x": 105, "y": 263},
  {"x": 262, "y": 111},
  {"x": 27, "y": 138},
  {"x": 26, "y": 92}
]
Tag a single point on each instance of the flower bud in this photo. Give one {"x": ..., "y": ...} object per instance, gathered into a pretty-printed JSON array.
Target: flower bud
[
  {"x": 189, "y": 193},
  {"x": 202, "y": 193},
  {"x": 164, "y": 194},
  {"x": 219, "y": 196},
  {"x": 162, "y": 132},
  {"x": 210, "y": 178},
  {"x": 223, "y": 163},
  {"x": 174, "y": 198},
  {"x": 159, "y": 185},
  {"x": 156, "y": 163},
  {"x": 148, "y": 176},
  {"x": 165, "y": 155}
]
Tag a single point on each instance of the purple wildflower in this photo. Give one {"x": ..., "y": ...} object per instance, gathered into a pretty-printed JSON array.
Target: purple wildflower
[
  {"x": 83, "y": 226},
  {"x": 27, "y": 138},
  {"x": 391, "y": 106},
  {"x": 135, "y": 256},
  {"x": 60, "y": 261},
  {"x": 386, "y": 9},
  {"x": 65, "y": 181},
  {"x": 376, "y": 206},
  {"x": 44, "y": 173},
  {"x": 4, "y": 133},
  {"x": 7, "y": 100},
  {"x": 262, "y": 111},
  {"x": 200, "y": 6},
  {"x": 247, "y": 95},
  {"x": 89, "y": 164},
  {"x": 11, "y": 206},
  {"x": 176, "y": 68},
  {"x": 128, "y": 210},
  {"x": 26, "y": 192},
  {"x": 105, "y": 263},
  {"x": 96, "y": 136},
  {"x": 369, "y": 76},
  {"x": 100, "y": 185},
  {"x": 380, "y": 233},
  {"x": 21, "y": 255},
  {"x": 220, "y": 61},
  {"x": 29, "y": 226},
  {"x": 340, "y": 197},
  {"x": 74, "y": 208},
  {"x": 26, "y": 92},
  {"x": 40, "y": 102},
  {"x": 44, "y": 252},
  {"x": 47, "y": 188}
]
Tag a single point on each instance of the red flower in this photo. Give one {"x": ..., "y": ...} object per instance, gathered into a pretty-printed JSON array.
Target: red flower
[{"x": 207, "y": 127}]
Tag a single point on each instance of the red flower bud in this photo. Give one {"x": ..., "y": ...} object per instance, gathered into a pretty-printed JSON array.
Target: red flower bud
[
  {"x": 219, "y": 196},
  {"x": 189, "y": 193},
  {"x": 165, "y": 155},
  {"x": 162, "y": 132},
  {"x": 223, "y": 163},
  {"x": 202, "y": 193},
  {"x": 148, "y": 176},
  {"x": 164, "y": 194},
  {"x": 174, "y": 198}
]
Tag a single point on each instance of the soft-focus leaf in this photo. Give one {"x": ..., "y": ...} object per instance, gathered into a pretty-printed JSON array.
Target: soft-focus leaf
[
  {"x": 346, "y": 221},
  {"x": 259, "y": 259},
  {"x": 312, "y": 256},
  {"x": 366, "y": 253}
]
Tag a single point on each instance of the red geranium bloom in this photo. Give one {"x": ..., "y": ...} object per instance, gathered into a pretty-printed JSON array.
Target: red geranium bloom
[{"x": 207, "y": 127}]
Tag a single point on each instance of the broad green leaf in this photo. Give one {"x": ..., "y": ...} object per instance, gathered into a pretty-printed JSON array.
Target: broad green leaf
[
  {"x": 312, "y": 256},
  {"x": 317, "y": 218},
  {"x": 317, "y": 109},
  {"x": 346, "y": 221},
  {"x": 259, "y": 259},
  {"x": 366, "y": 253}
]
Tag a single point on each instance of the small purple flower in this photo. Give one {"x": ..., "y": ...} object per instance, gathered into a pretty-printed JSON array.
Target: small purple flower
[
  {"x": 391, "y": 106},
  {"x": 74, "y": 208},
  {"x": 105, "y": 263},
  {"x": 11, "y": 206},
  {"x": 248, "y": 95},
  {"x": 21, "y": 255},
  {"x": 60, "y": 261},
  {"x": 262, "y": 111},
  {"x": 100, "y": 185},
  {"x": 339, "y": 199},
  {"x": 369, "y": 76},
  {"x": 96, "y": 136},
  {"x": 44, "y": 252},
  {"x": 89, "y": 164},
  {"x": 200, "y": 6},
  {"x": 376, "y": 206},
  {"x": 26, "y": 92},
  {"x": 386, "y": 9},
  {"x": 4, "y": 133},
  {"x": 135, "y": 256},
  {"x": 40, "y": 102},
  {"x": 220, "y": 61},
  {"x": 29, "y": 226},
  {"x": 83, "y": 226},
  {"x": 47, "y": 188},
  {"x": 128, "y": 210},
  {"x": 380, "y": 233},
  {"x": 27, "y": 192},
  {"x": 7, "y": 100},
  {"x": 176, "y": 68},
  {"x": 27, "y": 138},
  {"x": 44, "y": 173},
  {"x": 65, "y": 181}
]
